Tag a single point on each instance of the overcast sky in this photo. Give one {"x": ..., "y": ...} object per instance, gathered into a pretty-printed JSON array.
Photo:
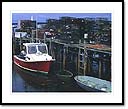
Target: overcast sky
[{"x": 42, "y": 17}]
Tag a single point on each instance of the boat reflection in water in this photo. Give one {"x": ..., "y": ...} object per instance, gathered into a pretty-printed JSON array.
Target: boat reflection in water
[{"x": 27, "y": 81}]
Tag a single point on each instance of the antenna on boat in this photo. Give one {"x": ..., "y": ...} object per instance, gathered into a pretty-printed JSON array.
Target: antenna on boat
[
  {"x": 32, "y": 30},
  {"x": 44, "y": 36},
  {"x": 36, "y": 30},
  {"x": 31, "y": 18}
]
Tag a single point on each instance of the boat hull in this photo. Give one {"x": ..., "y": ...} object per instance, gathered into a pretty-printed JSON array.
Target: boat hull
[
  {"x": 37, "y": 66},
  {"x": 86, "y": 88},
  {"x": 93, "y": 84},
  {"x": 65, "y": 76}
]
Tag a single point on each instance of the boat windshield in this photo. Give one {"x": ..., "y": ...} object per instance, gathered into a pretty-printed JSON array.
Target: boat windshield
[
  {"x": 32, "y": 49},
  {"x": 42, "y": 49}
]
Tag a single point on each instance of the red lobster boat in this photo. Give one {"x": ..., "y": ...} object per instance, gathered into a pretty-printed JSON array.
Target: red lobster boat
[{"x": 34, "y": 57}]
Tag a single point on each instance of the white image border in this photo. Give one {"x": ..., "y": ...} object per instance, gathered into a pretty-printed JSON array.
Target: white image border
[{"x": 115, "y": 8}]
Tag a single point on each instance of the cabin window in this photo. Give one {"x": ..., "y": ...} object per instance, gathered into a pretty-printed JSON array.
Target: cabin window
[
  {"x": 32, "y": 49},
  {"x": 42, "y": 49}
]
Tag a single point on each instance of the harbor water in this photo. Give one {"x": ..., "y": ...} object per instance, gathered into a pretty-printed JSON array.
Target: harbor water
[{"x": 26, "y": 81}]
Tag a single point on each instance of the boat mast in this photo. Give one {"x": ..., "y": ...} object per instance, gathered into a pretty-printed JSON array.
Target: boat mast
[
  {"x": 36, "y": 30},
  {"x": 44, "y": 37},
  {"x": 32, "y": 30}
]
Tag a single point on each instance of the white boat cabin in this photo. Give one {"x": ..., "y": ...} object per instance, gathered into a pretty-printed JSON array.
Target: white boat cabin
[
  {"x": 34, "y": 48},
  {"x": 35, "y": 52}
]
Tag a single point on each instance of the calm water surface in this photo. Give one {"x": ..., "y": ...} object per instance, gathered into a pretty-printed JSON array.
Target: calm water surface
[{"x": 25, "y": 81}]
